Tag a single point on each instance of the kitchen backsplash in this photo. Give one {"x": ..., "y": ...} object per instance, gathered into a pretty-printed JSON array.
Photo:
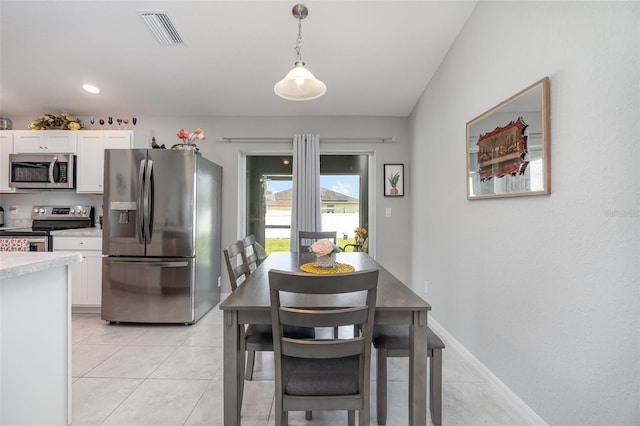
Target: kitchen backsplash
[{"x": 24, "y": 202}]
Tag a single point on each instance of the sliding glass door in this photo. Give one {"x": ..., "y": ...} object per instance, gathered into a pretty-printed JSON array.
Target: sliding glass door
[{"x": 344, "y": 183}]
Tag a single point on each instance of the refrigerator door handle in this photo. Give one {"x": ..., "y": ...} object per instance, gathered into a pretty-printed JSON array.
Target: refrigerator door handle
[
  {"x": 140, "y": 205},
  {"x": 147, "y": 200},
  {"x": 178, "y": 264}
]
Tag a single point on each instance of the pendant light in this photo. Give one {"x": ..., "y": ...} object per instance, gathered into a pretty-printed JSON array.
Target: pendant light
[{"x": 299, "y": 84}]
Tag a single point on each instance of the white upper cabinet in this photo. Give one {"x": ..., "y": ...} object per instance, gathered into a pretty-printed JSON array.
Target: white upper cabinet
[
  {"x": 90, "y": 160},
  {"x": 44, "y": 141},
  {"x": 6, "y": 148}
]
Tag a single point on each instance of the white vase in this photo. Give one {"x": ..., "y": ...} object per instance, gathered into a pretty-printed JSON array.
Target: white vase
[{"x": 326, "y": 261}]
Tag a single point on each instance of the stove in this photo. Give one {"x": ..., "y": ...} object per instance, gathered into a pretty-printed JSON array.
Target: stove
[{"x": 50, "y": 218}]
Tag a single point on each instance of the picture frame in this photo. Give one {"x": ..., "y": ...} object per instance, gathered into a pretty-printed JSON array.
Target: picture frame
[
  {"x": 508, "y": 147},
  {"x": 393, "y": 180}
]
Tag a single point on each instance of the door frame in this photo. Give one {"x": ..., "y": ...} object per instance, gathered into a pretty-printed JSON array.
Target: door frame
[{"x": 242, "y": 185}]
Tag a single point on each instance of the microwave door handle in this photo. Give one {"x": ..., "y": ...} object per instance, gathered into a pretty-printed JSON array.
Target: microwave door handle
[
  {"x": 148, "y": 205},
  {"x": 52, "y": 165},
  {"x": 140, "y": 205}
]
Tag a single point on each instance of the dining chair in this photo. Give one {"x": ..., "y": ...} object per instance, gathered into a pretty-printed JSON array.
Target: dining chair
[
  {"x": 364, "y": 247},
  {"x": 393, "y": 341},
  {"x": 253, "y": 252},
  {"x": 305, "y": 236},
  {"x": 323, "y": 374},
  {"x": 257, "y": 337}
]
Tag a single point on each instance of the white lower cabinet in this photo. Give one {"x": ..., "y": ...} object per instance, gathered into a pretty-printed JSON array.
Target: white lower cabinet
[{"x": 86, "y": 281}]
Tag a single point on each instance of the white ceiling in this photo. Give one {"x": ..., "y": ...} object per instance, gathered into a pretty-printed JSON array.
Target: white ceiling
[{"x": 376, "y": 57}]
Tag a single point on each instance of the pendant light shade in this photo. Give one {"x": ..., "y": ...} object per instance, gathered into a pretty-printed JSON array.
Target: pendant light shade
[{"x": 299, "y": 84}]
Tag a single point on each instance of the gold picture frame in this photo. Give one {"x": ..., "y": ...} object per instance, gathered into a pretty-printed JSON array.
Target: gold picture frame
[{"x": 508, "y": 147}]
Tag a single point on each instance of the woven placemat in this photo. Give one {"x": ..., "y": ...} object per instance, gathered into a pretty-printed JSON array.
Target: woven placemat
[{"x": 342, "y": 267}]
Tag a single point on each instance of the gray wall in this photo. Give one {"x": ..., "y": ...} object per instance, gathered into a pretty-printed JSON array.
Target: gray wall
[
  {"x": 390, "y": 234},
  {"x": 543, "y": 290}
]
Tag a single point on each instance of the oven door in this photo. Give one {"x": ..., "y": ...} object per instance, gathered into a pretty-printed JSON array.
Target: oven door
[
  {"x": 42, "y": 171},
  {"x": 39, "y": 243}
]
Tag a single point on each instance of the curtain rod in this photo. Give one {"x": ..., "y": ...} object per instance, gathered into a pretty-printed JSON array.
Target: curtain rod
[{"x": 290, "y": 139}]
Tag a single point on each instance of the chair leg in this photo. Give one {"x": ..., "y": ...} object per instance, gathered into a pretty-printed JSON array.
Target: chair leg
[
  {"x": 335, "y": 332},
  {"x": 251, "y": 357},
  {"x": 381, "y": 386},
  {"x": 435, "y": 386},
  {"x": 351, "y": 418},
  {"x": 241, "y": 383}
]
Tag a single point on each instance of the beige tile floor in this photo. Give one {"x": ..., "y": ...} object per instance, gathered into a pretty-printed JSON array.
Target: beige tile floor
[{"x": 172, "y": 375}]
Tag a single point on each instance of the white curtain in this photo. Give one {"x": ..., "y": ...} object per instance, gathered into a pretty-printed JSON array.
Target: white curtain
[{"x": 305, "y": 200}]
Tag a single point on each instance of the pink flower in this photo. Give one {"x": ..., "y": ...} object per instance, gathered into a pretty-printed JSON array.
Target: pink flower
[
  {"x": 323, "y": 247},
  {"x": 190, "y": 138},
  {"x": 183, "y": 134}
]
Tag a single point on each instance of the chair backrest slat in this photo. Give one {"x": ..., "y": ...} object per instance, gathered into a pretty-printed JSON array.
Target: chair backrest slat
[
  {"x": 319, "y": 349},
  {"x": 323, "y": 318},
  {"x": 302, "y": 282},
  {"x": 307, "y": 238}
]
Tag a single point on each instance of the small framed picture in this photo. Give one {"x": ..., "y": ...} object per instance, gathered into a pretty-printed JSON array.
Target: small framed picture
[{"x": 394, "y": 180}]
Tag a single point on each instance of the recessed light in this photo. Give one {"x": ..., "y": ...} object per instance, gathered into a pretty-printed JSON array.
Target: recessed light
[{"x": 90, "y": 88}]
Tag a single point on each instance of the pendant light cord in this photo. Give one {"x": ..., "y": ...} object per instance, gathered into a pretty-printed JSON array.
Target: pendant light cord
[{"x": 299, "y": 42}]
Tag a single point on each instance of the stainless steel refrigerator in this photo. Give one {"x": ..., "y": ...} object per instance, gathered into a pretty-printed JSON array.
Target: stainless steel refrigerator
[{"x": 161, "y": 236}]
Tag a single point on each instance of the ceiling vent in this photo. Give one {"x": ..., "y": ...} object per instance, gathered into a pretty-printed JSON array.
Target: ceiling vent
[{"x": 162, "y": 27}]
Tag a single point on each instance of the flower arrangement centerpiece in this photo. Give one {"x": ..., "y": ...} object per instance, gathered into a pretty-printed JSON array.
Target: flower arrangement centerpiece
[
  {"x": 361, "y": 234},
  {"x": 62, "y": 121},
  {"x": 189, "y": 139},
  {"x": 325, "y": 251}
]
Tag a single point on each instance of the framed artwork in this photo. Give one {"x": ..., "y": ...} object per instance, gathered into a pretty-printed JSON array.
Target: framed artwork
[
  {"x": 394, "y": 180},
  {"x": 508, "y": 147}
]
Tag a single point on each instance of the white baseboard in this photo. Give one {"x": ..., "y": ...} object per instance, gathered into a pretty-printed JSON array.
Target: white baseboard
[
  {"x": 523, "y": 409},
  {"x": 86, "y": 310}
]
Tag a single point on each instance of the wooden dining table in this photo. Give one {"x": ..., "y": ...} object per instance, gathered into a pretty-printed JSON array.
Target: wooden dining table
[{"x": 249, "y": 304}]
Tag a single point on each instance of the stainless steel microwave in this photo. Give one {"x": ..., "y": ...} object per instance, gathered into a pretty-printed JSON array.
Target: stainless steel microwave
[{"x": 42, "y": 171}]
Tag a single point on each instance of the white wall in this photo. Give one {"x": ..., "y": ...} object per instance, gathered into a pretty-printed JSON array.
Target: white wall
[
  {"x": 390, "y": 233},
  {"x": 543, "y": 290}
]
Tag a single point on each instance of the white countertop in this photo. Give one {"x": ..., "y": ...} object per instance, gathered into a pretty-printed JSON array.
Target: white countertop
[
  {"x": 14, "y": 264},
  {"x": 78, "y": 232}
]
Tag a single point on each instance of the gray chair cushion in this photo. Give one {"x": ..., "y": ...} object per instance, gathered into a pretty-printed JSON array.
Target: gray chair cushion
[
  {"x": 304, "y": 376},
  {"x": 397, "y": 337}
]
